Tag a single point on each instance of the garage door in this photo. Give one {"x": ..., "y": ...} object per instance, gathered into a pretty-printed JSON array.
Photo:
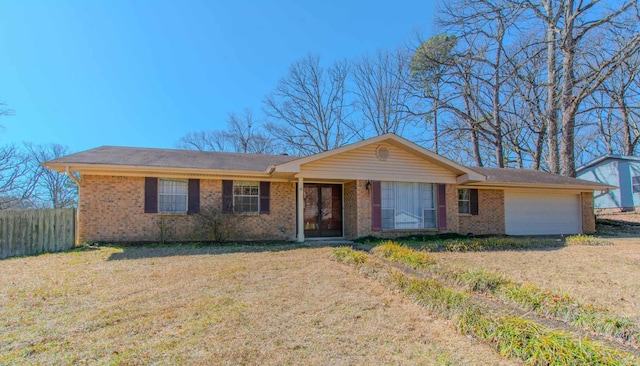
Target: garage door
[{"x": 529, "y": 213}]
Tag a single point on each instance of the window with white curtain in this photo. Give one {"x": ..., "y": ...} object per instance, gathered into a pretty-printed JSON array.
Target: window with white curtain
[
  {"x": 408, "y": 205},
  {"x": 172, "y": 195}
]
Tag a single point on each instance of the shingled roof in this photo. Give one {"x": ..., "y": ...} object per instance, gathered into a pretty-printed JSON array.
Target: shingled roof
[
  {"x": 169, "y": 158},
  {"x": 530, "y": 176}
]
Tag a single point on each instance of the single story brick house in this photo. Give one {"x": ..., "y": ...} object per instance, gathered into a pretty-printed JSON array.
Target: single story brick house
[{"x": 385, "y": 186}]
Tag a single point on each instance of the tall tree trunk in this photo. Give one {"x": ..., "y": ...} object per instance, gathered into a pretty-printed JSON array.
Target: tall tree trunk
[
  {"x": 626, "y": 130},
  {"x": 569, "y": 105},
  {"x": 436, "y": 106},
  {"x": 537, "y": 157},
  {"x": 552, "y": 105}
]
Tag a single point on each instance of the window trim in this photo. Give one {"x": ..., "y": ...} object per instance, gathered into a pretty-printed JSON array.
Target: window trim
[
  {"x": 186, "y": 195},
  {"x": 635, "y": 184},
  {"x": 434, "y": 208},
  {"x": 257, "y": 196},
  {"x": 468, "y": 201}
]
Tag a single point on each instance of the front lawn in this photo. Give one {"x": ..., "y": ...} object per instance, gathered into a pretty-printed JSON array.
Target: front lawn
[
  {"x": 605, "y": 275},
  {"x": 214, "y": 305}
]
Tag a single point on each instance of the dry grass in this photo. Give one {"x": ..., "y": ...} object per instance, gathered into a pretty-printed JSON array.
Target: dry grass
[
  {"x": 204, "y": 306},
  {"x": 607, "y": 276}
]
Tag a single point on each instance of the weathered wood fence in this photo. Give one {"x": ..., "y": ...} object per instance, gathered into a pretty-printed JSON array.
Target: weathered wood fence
[{"x": 27, "y": 232}]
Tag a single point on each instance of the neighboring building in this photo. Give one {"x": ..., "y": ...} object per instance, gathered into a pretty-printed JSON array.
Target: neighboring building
[
  {"x": 622, "y": 172},
  {"x": 385, "y": 186}
]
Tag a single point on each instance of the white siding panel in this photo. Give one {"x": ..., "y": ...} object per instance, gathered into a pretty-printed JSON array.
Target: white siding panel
[
  {"x": 542, "y": 213},
  {"x": 363, "y": 163}
]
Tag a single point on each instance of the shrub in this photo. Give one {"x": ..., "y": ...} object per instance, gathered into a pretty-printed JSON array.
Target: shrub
[{"x": 213, "y": 225}]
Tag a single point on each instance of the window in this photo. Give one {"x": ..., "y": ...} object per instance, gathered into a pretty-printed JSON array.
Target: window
[
  {"x": 172, "y": 195},
  {"x": 246, "y": 197},
  {"x": 635, "y": 181},
  {"x": 408, "y": 205},
  {"x": 464, "y": 201}
]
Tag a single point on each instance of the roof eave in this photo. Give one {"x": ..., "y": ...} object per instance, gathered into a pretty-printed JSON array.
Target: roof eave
[
  {"x": 573, "y": 187},
  {"x": 84, "y": 168}
]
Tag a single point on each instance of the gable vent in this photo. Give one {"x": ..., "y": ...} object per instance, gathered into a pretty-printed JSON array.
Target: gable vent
[{"x": 382, "y": 153}]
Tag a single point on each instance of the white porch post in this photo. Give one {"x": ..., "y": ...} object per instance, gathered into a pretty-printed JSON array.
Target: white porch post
[{"x": 300, "y": 210}]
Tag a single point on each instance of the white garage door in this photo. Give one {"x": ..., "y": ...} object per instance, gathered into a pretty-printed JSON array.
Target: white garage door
[{"x": 536, "y": 213}]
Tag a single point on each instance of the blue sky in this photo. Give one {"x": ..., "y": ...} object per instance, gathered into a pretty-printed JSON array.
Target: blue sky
[{"x": 144, "y": 73}]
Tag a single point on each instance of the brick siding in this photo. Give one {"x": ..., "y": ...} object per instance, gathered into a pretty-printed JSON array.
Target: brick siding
[
  {"x": 490, "y": 217},
  {"x": 588, "y": 216},
  {"x": 111, "y": 209}
]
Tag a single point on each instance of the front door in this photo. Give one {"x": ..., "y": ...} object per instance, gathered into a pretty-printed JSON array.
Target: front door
[{"x": 322, "y": 210}]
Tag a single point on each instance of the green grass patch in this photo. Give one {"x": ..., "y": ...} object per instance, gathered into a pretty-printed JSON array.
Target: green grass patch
[
  {"x": 482, "y": 281},
  {"x": 587, "y": 240},
  {"x": 399, "y": 253},
  {"x": 513, "y": 337},
  {"x": 348, "y": 255}
]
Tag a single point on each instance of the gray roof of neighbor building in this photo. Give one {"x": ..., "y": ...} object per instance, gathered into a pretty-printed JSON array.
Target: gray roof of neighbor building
[
  {"x": 528, "y": 176},
  {"x": 169, "y": 158},
  {"x": 607, "y": 157}
]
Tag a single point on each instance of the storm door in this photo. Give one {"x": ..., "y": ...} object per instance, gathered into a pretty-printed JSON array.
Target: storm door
[{"x": 322, "y": 210}]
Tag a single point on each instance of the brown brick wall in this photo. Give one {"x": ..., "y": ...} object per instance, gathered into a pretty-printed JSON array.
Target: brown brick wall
[
  {"x": 490, "y": 218},
  {"x": 111, "y": 208},
  {"x": 588, "y": 216},
  {"x": 452, "y": 207},
  {"x": 350, "y": 214}
]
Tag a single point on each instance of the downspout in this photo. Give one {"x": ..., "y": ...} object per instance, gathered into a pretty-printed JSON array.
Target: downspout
[
  {"x": 69, "y": 174},
  {"x": 270, "y": 169}
]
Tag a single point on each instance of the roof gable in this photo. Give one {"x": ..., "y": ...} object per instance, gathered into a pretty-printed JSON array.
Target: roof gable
[
  {"x": 395, "y": 144},
  {"x": 605, "y": 158}
]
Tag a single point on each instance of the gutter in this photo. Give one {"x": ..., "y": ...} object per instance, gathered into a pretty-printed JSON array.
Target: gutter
[{"x": 70, "y": 174}]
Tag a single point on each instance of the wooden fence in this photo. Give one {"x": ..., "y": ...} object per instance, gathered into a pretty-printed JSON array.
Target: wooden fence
[{"x": 27, "y": 232}]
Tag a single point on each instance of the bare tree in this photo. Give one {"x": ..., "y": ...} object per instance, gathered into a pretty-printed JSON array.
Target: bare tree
[
  {"x": 207, "y": 140},
  {"x": 615, "y": 105},
  {"x": 309, "y": 109},
  {"x": 16, "y": 184},
  {"x": 51, "y": 188},
  {"x": 569, "y": 24},
  {"x": 482, "y": 31},
  {"x": 381, "y": 95},
  {"x": 245, "y": 134}
]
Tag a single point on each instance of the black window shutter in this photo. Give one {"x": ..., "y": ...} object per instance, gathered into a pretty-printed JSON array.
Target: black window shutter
[
  {"x": 194, "y": 196},
  {"x": 150, "y": 195},
  {"x": 473, "y": 201},
  {"x": 265, "y": 193},
  {"x": 227, "y": 196}
]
